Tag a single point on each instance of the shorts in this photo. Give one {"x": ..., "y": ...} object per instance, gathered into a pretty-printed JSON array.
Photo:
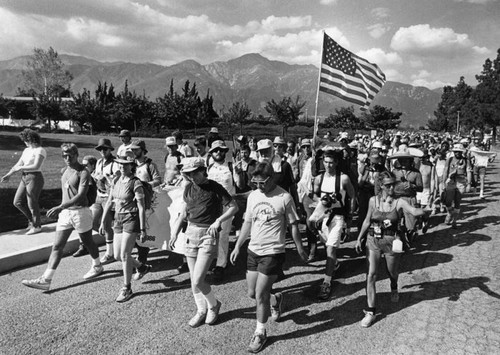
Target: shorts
[
  {"x": 382, "y": 245},
  {"x": 79, "y": 220},
  {"x": 424, "y": 197},
  {"x": 269, "y": 265},
  {"x": 198, "y": 242},
  {"x": 480, "y": 170},
  {"x": 127, "y": 222},
  {"x": 331, "y": 235}
]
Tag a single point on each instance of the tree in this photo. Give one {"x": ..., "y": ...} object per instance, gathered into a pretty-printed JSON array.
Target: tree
[
  {"x": 285, "y": 112},
  {"x": 238, "y": 113},
  {"x": 343, "y": 118},
  {"x": 381, "y": 118}
]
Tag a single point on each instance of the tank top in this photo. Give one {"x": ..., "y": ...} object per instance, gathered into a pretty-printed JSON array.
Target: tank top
[
  {"x": 379, "y": 218},
  {"x": 328, "y": 186}
]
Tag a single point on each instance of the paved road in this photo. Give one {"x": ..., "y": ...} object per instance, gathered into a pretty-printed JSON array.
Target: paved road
[{"x": 450, "y": 303}]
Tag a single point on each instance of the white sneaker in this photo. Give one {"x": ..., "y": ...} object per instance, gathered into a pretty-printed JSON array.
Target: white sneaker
[
  {"x": 34, "y": 230},
  {"x": 368, "y": 319},
  {"x": 41, "y": 283},
  {"x": 93, "y": 272}
]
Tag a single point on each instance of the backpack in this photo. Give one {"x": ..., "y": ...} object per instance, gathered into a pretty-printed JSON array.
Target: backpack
[{"x": 148, "y": 194}]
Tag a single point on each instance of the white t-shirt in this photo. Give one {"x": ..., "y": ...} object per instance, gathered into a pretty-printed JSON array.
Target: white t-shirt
[
  {"x": 29, "y": 155},
  {"x": 222, "y": 174},
  {"x": 122, "y": 149},
  {"x": 270, "y": 214}
]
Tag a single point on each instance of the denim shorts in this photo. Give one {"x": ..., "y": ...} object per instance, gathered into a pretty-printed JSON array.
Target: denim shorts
[
  {"x": 127, "y": 222},
  {"x": 197, "y": 241},
  {"x": 382, "y": 245}
]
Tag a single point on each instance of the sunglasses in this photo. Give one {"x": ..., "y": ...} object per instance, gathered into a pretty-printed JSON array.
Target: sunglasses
[
  {"x": 218, "y": 150},
  {"x": 260, "y": 182}
]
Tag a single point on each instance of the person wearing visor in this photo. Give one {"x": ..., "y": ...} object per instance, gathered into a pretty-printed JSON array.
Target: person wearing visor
[
  {"x": 382, "y": 224},
  {"x": 204, "y": 203}
]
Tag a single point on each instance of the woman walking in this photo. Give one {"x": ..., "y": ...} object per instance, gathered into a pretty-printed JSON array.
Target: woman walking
[
  {"x": 127, "y": 194},
  {"x": 30, "y": 165},
  {"x": 382, "y": 222},
  {"x": 204, "y": 200}
]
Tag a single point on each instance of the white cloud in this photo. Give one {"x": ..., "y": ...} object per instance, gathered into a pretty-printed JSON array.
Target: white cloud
[
  {"x": 380, "y": 12},
  {"x": 273, "y": 23},
  {"x": 378, "y": 30},
  {"x": 328, "y": 2},
  {"x": 429, "y": 84},
  {"x": 481, "y": 50},
  {"x": 427, "y": 41},
  {"x": 416, "y": 63},
  {"x": 394, "y": 75},
  {"x": 381, "y": 58}
]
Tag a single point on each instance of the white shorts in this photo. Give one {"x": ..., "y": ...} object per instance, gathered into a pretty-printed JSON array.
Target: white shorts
[
  {"x": 424, "y": 197},
  {"x": 331, "y": 235},
  {"x": 79, "y": 220}
]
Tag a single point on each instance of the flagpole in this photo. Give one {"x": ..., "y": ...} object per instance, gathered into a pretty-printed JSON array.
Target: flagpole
[{"x": 317, "y": 92}]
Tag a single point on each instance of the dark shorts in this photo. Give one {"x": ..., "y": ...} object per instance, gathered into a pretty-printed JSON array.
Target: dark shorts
[
  {"x": 269, "y": 265},
  {"x": 382, "y": 245},
  {"x": 127, "y": 222}
]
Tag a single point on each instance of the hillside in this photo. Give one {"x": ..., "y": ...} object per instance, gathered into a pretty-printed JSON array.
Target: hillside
[{"x": 251, "y": 77}]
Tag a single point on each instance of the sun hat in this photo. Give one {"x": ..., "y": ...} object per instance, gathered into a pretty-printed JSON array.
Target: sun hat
[
  {"x": 377, "y": 144},
  {"x": 214, "y": 130},
  {"x": 458, "y": 148},
  {"x": 104, "y": 143},
  {"x": 170, "y": 141},
  {"x": 127, "y": 158},
  {"x": 304, "y": 142},
  {"x": 402, "y": 153},
  {"x": 264, "y": 144},
  {"x": 192, "y": 164},
  {"x": 279, "y": 140},
  {"x": 218, "y": 144},
  {"x": 138, "y": 143},
  {"x": 124, "y": 133}
]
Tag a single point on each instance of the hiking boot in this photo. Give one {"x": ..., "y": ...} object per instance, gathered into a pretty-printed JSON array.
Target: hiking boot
[
  {"x": 81, "y": 251},
  {"x": 213, "y": 314},
  {"x": 218, "y": 274},
  {"x": 324, "y": 291},
  {"x": 276, "y": 310},
  {"x": 197, "y": 320},
  {"x": 93, "y": 272},
  {"x": 107, "y": 259},
  {"x": 34, "y": 230},
  {"x": 394, "y": 296},
  {"x": 41, "y": 283},
  {"x": 368, "y": 319},
  {"x": 257, "y": 343},
  {"x": 124, "y": 294},
  {"x": 146, "y": 268}
]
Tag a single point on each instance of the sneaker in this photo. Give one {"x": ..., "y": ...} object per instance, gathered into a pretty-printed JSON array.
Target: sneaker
[
  {"x": 81, "y": 251},
  {"x": 107, "y": 259},
  {"x": 30, "y": 225},
  {"x": 94, "y": 272},
  {"x": 183, "y": 268},
  {"x": 140, "y": 274},
  {"x": 394, "y": 296},
  {"x": 213, "y": 314},
  {"x": 41, "y": 283},
  {"x": 276, "y": 310},
  {"x": 324, "y": 291},
  {"x": 124, "y": 295},
  {"x": 425, "y": 227},
  {"x": 34, "y": 230},
  {"x": 197, "y": 320},
  {"x": 218, "y": 274},
  {"x": 368, "y": 319},
  {"x": 257, "y": 343}
]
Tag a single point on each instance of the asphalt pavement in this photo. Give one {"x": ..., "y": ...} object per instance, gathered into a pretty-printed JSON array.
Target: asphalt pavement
[{"x": 449, "y": 302}]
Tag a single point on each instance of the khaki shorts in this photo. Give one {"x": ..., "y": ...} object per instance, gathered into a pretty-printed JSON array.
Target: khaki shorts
[
  {"x": 79, "y": 220},
  {"x": 198, "y": 242},
  {"x": 331, "y": 234}
]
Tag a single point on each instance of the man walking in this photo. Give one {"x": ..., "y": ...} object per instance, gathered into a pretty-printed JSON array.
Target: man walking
[{"x": 74, "y": 213}]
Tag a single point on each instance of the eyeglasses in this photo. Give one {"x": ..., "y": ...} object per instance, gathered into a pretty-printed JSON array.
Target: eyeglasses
[
  {"x": 260, "y": 182},
  {"x": 66, "y": 156}
]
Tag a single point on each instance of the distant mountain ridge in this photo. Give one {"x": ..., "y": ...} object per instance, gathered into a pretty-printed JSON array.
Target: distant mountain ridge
[{"x": 251, "y": 77}]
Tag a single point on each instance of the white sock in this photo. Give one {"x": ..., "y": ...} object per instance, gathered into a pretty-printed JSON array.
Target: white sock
[
  {"x": 109, "y": 248},
  {"x": 200, "y": 301},
  {"x": 273, "y": 300},
  {"x": 211, "y": 300},
  {"x": 96, "y": 262},
  {"x": 261, "y": 328},
  {"x": 328, "y": 280},
  {"x": 49, "y": 274}
]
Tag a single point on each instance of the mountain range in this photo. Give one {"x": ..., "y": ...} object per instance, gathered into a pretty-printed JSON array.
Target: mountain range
[{"x": 251, "y": 78}]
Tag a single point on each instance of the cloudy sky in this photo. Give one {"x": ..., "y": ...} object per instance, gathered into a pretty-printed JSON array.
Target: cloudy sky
[{"x": 420, "y": 42}]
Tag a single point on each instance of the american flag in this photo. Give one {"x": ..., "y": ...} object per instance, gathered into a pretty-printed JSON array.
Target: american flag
[{"x": 348, "y": 76}]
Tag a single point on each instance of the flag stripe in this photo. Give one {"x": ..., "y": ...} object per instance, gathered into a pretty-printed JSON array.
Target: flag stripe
[{"x": 347, "y": 75}]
